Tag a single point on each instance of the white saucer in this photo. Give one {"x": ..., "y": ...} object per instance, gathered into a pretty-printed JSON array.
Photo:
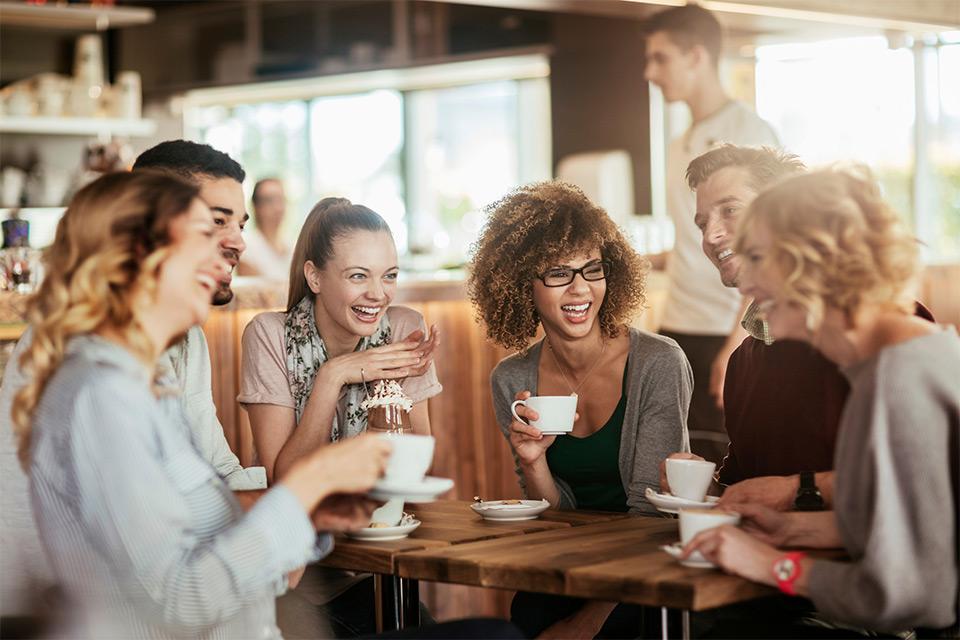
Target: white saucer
[
  {"x": 670, "y": 504},
  {"x": 425, "y": 490},
  {"x": 500, "y": 511},
  {"x": 402, "y": 530},
  {"x": 695, "y": 560}
]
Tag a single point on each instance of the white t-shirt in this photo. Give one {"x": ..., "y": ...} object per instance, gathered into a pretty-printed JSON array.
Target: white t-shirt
[
  {"x": 697, "y": 302},
  {"x": 261, "y": 256},
  {"x": 24, "y": 571}
]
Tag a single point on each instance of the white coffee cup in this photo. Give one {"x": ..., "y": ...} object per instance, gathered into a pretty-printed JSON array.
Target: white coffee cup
[
  {"x": 693, "y": 521},
  {"x": 689, "y": 479},
  {"x": 389, "y": 514},
  {"x": 556, "y": 413},
  {"x": 411, "y": 457}
]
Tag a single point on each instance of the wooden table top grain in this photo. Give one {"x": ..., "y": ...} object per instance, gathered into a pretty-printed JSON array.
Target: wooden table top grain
[
  {"x": 448, "y": 523},
  {"x": 618, "y": 560}
]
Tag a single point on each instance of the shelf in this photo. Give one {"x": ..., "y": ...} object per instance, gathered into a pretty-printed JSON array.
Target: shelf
[
  {"x": 83, "y": 17},
  {"x": 43, "y": 222},
  {"x": 77, "y": 126}
]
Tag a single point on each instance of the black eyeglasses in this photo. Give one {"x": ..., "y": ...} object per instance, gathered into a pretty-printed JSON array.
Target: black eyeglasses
[{"x": 562, "y": 276}]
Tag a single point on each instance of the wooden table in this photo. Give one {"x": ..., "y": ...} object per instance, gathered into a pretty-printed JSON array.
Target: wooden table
[
  {"x": 618, "y": 560},
  {"x": 600, "y": 556},
  {"x": 446, "y": 524}
]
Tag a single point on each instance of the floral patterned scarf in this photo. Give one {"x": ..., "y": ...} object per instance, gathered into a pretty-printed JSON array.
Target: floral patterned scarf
[{"x": 306, "y": 353}]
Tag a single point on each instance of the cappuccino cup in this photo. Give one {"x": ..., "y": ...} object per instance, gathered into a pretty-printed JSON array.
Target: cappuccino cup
[
  {"x": 689, "y": 479},
  {"x": 411, "y": 457},
  {"x": 556, "y": 413},
  {"x": 693, "y": 521}
]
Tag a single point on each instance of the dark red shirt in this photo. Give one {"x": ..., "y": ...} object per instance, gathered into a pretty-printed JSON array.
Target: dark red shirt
[{"x": 782, "y": 406}]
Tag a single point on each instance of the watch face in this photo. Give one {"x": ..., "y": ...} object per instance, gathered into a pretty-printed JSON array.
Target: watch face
[
  {"x": 784, "y": 569},
  {"x": 808, "y": 500}
]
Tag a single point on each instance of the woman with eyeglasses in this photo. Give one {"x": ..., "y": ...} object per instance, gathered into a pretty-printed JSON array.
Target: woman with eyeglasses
[{"x": 549, "y": 257}]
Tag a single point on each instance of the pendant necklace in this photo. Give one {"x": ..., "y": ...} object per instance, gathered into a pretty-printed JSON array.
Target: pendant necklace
[{"x": 573, "y": 390}]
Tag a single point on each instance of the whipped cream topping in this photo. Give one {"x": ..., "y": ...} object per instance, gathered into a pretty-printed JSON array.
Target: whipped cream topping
[{"x": 387, "y": 393}]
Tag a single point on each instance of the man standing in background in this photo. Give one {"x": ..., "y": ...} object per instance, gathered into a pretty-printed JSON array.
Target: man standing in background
[{"x": 683, "y": 47}]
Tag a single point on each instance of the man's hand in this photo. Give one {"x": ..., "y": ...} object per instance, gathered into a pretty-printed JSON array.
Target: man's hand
[
  {"x": 664, "y": 485},
  {"x": 343, "y": 512},
  {"x": 765, "y": 524},
  {"x": 775, "y": 492}
]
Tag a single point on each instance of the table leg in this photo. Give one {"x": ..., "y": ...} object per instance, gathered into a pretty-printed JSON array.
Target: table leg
[
  {"x": 385, "y": 603},
  {"x": 684, "y": 624},
  {"x": 407, "y": 601}
]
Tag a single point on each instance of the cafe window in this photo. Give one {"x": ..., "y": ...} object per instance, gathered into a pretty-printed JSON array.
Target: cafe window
[
  {"x": 426, "y": 148},
  {"x": 827, "y": 101}
]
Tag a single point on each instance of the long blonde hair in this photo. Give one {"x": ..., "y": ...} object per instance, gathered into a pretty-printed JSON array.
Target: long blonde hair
[
  {"x": 103, "y": 262},
  {"x": 836, "y": 242}
]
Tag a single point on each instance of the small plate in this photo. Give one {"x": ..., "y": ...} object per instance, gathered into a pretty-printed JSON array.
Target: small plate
[
  {"x": 501, "y": 511},
  {"x": 425, "y": 490},
  {"x": 670, "y": 504},
  {"x": 695, "y": 560},
  {"x": 407, "y": 524}
]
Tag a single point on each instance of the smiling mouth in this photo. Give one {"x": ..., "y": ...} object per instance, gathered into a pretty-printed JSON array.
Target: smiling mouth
[
  {"x": 576, "y": 310},
  {"x": 366, "y": 314},
  {"x": 725, "y": 255}
]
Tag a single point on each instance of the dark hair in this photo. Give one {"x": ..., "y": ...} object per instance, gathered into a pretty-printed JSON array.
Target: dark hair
[
  {"x": 765, "y": 165},
  {"x": 256, "y": 188},
  {"x": 330, "y": 219},
  {"x": 189, "y": 160},
  {"x": 689, "y": 26},
  {"x": 531, "y": 229}
]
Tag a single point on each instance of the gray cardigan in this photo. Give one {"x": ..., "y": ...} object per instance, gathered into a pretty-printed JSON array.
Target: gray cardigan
[
  {"x": 896, "y": 491},
  {"x": 659, "y": 384}
]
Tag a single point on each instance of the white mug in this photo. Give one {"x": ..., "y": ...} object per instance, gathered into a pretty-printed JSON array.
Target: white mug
[
  {"x": 556, "y": 413},
  {"x": 689, "y": 479},
  {"x": 693, "y": 521},
  {"x": 411, "y": 456}
]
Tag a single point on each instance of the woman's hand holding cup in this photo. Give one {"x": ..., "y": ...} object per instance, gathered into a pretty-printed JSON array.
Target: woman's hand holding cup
[
  {"x": 527, "y": 440},
  {"x": 350, "y": 466},
  {"x": 680, "y": 455}
]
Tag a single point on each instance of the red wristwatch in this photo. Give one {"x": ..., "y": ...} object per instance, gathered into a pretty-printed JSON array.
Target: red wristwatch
[{"x": 787, "y": 569}]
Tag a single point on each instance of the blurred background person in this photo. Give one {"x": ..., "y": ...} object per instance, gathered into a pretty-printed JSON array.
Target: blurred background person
[
  {"x": 267, "y": 254},
  {"x": 683, "y": 48}
]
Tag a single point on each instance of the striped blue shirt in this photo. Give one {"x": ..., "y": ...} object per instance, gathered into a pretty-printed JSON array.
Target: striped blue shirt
[{"x": 143, "y": 535}]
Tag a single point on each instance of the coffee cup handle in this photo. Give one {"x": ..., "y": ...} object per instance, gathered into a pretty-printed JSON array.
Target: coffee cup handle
[{"x": 513, "y": 410}]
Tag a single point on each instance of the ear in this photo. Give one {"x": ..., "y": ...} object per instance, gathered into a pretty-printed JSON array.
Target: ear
[
  {"x": 312, "y": 274},
  {"x": 700, "y": 56}
]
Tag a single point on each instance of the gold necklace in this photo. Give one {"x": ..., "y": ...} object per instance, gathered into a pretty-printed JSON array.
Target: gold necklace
[{"x": 573, "y": 391}]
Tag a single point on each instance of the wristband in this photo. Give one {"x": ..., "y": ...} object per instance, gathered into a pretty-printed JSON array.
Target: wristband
[{"x": 786, "y": 570}]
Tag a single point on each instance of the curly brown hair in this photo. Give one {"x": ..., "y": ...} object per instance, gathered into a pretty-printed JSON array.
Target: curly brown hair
[{"x": 532, "y": 229}]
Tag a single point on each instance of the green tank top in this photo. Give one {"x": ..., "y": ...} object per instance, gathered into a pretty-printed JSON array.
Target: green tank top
[{"x": 591, "y": 465}]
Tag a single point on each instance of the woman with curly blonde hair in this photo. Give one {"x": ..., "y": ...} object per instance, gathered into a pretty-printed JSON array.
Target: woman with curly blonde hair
[
  {"x": 549, "y": 257},
  {"x": 830, "y": 263},
  {"x": 142, "y": 534}
]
